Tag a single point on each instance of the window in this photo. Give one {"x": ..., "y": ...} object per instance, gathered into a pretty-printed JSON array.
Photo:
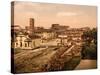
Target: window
[
  {"x": 25, "y": 44},
  {"x": 28, "y": 44},
  {"x": 16, "y": 44},
  {"x": 20, "y": 44}
]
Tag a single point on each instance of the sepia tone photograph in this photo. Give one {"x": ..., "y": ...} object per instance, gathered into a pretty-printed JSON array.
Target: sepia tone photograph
[{"x": 48, "y": 37}]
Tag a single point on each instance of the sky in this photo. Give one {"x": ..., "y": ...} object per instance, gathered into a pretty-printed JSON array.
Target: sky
[{"x": 46, "y": 14}]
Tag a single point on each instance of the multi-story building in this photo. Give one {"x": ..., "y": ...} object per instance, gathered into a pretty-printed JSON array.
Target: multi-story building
[
  {"x": 25, "y": 41},
  {"x": 59, "y": 27},
  {"x": 74, "y": 33},
  {"x": 45, "y": 34},
  {"x": 22, "y": 41}
]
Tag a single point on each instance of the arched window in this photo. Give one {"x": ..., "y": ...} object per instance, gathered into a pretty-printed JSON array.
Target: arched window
[
  {"x": 20, "y": 44},
  {"x": 25, "y": 44},
  {"x": 16, "y": 44}
]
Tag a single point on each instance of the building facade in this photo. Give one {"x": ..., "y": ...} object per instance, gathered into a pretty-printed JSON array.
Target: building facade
[{"x": 22, "y": 41}]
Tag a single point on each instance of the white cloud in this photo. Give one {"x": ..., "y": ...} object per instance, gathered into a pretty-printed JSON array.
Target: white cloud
[{"x": 60, "y": 14}]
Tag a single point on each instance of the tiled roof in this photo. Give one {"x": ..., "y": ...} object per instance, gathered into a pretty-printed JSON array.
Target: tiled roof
[{"x": 34, "y": 36}]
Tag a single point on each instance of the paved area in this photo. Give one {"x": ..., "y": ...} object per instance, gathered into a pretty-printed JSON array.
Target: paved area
[{"x": 87, "y": 64}]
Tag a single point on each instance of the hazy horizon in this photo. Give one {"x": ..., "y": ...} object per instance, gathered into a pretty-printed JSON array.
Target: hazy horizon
[{"x": 46, "y": 14}]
